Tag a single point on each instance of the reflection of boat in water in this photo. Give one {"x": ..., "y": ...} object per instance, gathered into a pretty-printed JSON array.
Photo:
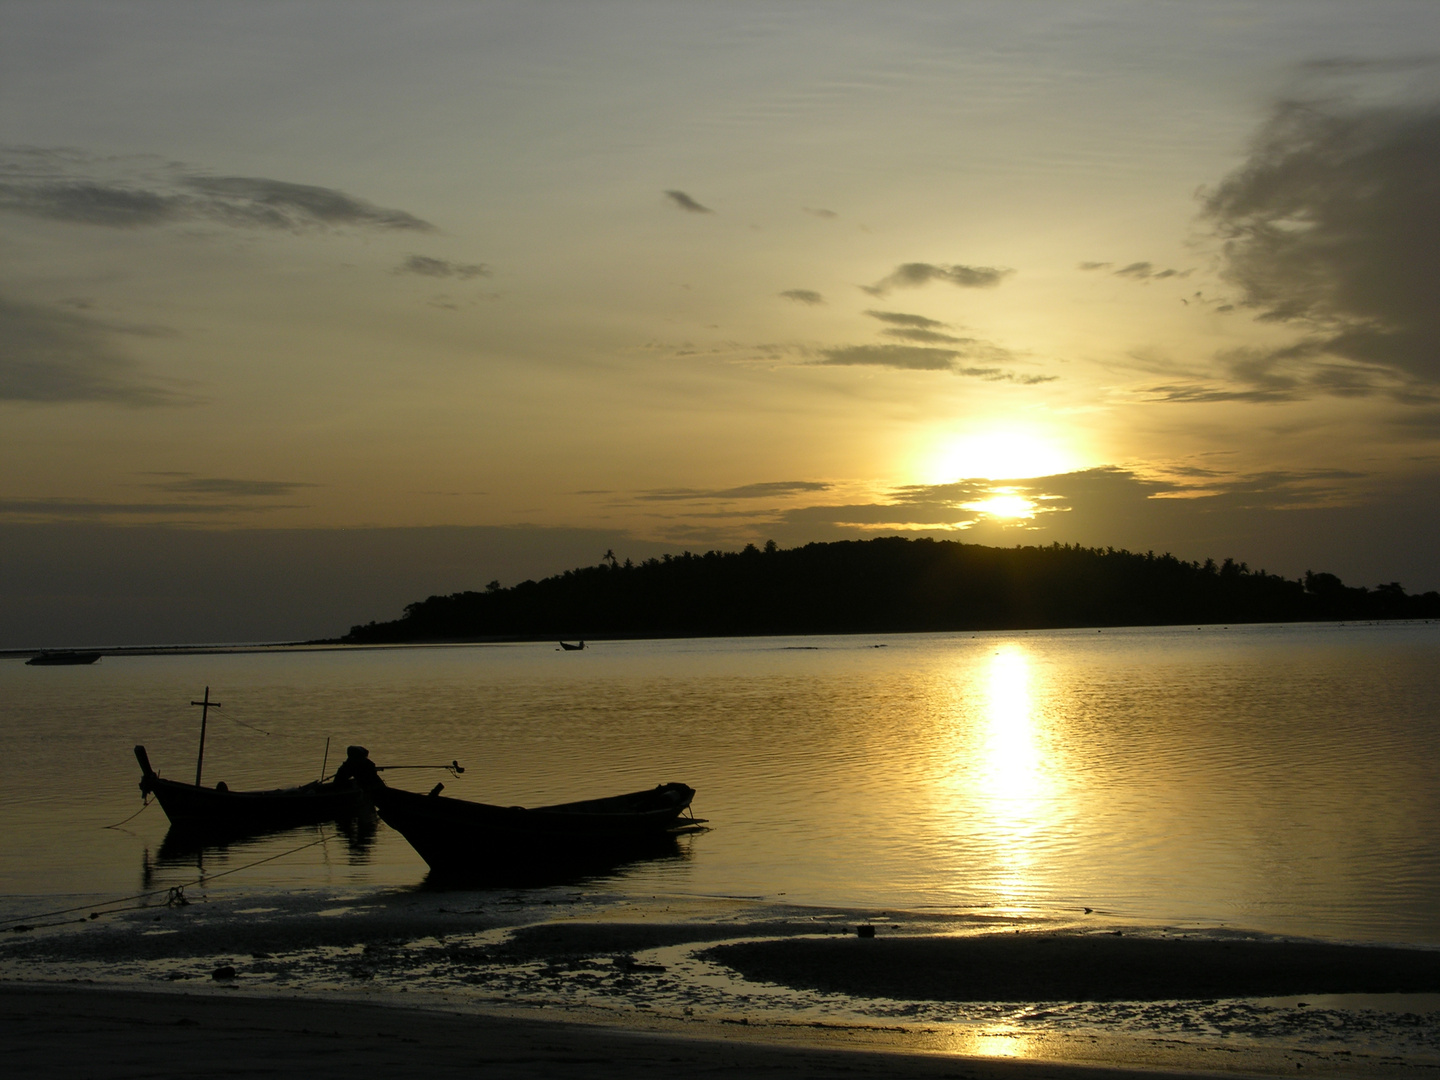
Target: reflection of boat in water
[
  {"x": 62, "y": 657},
  {"x": 183, "y": 847},
  {"x": 211, "y": 853},
  {"x": 222, "y": 812},
  {"x": 472, "y": 841},
  {"x": 567, "y": 647}
]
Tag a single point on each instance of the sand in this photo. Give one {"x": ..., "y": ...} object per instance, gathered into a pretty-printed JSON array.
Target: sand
[
  {"x": 436, "y": 984},
  {"x": 66, "y": 1032},
  {"x": 1031, "y": 967}
]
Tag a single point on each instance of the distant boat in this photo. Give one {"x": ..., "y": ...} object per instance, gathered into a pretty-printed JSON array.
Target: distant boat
[
  {"x": 58, "y": 657},
  {"x": 572, "y": 648},
  {"x": 219, "y": 811},
  {"x": 475, "y": 841}
]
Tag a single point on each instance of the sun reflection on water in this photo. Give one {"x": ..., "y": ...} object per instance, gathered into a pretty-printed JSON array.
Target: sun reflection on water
[{"x": 1006, "y": 778}]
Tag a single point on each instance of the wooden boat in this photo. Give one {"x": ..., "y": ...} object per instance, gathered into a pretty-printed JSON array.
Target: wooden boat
[
  {"x": 218, "y": 811},
  {"x": 470, "y": 840},
  {"x": 62, "y": 657}
]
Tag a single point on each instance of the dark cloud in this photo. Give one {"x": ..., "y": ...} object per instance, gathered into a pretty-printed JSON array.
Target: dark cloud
[
  {"x": 1095, "y": 265},
  {"x": 920, "y": 358},
  {"x": 68, "y": 187},
  {"x": 820, "y": 212},
  {"x": 1280, "y": 520},
  {"x": 244, "y": 200},
  {"x": 900, "y": 318},
  {"x": 1332, "y": 226},
  {"x": 913, "y": 275},
  {"x": 685, "y": 202},
  {"x": 1197, "y": 393},
  {"x": 426, "y": 266},
  {"x": 1140, "y": 271},
  {"x": 931, "y": 337},
  {"x": 52, "y": 356},
  {"x": 230, "y": 488},
  {"x": 803, "y": 296},
  {"x": 769, "y": 490},
  {"x": 905, "y": 357},
  {"x": 89, "y": 509}
]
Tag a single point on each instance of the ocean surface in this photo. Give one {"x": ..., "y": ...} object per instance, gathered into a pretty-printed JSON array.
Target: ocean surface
[{"x": 1280, "y": 779}]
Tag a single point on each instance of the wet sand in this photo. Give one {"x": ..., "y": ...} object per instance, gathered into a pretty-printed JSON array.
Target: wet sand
[
  {"x": 570, "y": 985},
  {"x": 69, "y": 1033},
  {"x": 1030, "y": 967}
]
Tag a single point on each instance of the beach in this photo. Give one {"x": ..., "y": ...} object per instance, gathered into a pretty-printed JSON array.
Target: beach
[
  {"x": 66, "y": 1032},
  {"x": 417, "y": 984}
]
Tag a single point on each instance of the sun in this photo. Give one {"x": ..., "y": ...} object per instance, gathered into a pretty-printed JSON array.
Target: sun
[
  {"x": 997, "y": 453},
  {"x": 1004, "y": 503}
]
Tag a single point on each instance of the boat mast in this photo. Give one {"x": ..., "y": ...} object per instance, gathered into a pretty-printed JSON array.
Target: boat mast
[{"x": 205, "y": 707}]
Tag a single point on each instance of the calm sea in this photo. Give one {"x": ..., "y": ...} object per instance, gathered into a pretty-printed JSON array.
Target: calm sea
[{"x": 1277, "y": 778}]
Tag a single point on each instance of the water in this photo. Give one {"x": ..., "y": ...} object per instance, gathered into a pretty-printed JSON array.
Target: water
[{"x": 1275, "y": 778}]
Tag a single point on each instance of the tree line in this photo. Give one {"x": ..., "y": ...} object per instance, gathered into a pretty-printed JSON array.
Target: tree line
[{"x": 887, "y": 585}]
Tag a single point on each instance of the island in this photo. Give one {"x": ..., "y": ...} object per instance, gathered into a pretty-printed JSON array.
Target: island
[{"x": 886, "y": 585}]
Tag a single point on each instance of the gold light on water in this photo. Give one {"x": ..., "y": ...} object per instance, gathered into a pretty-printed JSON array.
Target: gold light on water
[{"x": 1013, "y": 777}]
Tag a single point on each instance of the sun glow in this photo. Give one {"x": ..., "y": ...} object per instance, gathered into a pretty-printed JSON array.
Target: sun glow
[
  {"x": 997, "y": 453},
  {"x": 1004, "y": 503}
]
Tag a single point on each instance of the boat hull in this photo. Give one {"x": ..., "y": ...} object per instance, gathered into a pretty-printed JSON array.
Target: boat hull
[
  {"x": 221, "y": 812},
  {"x": 241, "y": 812},
  {"x": 469, "y": 841}
]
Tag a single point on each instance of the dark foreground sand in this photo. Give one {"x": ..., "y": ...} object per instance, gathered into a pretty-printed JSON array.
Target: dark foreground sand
[
  {"x": 81, "y": 1032},
  {"x": 1033, "y": 966}
]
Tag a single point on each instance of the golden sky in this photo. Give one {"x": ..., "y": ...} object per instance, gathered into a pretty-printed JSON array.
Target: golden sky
[{"x": 692, "y": 275}]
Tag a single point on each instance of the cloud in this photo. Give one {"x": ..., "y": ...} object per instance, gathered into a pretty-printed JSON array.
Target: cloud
[
  {"x": 914, "y": 275},
  {"x": 905, "y": 357},
  {"x": 425, "y": 266},
  {"x": 1331, "y": 226},
  {"x": 71, "y": 188},
  {"x": 685, "y": 202},
  {"x": 774, "y": 489},
  {"x": 1095, "y": 265},
  {"x": 803, "y": 296},
  {"x": 1140, "y": 271},
  {"x": 76, "y": 509},
  {"x": 933, "y": 337},
  {"x": 820, "y": 212},
  {"x": 1197, "y": 513},
  {"x": 213, "y": 485},
  {"x": 920, "y": 358},
  {"x": 900, "y": 318},
  {"x": 53, "y": 356}
]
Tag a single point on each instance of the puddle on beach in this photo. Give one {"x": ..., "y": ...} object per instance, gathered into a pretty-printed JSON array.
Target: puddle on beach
[{"x": 596, "y": 957}]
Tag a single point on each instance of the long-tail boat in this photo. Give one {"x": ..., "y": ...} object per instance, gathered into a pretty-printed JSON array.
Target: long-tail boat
[
  {"x": 219, "y": 811},
  {"x": 471, "y": 840}
]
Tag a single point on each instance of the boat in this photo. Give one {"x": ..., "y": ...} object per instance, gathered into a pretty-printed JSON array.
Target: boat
[
  {"x": 62, "y": 657},
  {"x": 218, "y": 811},
  {"x": 467, "y": 840},
  {"x": 567, "y": 647}
]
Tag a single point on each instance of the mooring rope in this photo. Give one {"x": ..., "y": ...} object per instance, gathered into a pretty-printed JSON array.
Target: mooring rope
[
  {"x": 143, "y": 807},
  {"x": 177, "y": 892}
]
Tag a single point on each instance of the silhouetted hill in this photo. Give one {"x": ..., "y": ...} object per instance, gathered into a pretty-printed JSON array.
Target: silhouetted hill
[{"x": 887, "y": 585}]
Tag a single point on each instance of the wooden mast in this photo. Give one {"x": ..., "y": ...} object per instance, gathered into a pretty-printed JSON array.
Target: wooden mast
[{"x": 205, "y": 707}]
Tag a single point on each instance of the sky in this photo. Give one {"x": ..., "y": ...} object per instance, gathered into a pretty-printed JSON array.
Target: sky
[{"x": 310, "y": 310}]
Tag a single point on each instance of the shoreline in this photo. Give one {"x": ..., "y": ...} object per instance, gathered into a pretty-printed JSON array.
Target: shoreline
[
  {"x": 69, "y": 1032},
  {"x": 544, "y": 986}
]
